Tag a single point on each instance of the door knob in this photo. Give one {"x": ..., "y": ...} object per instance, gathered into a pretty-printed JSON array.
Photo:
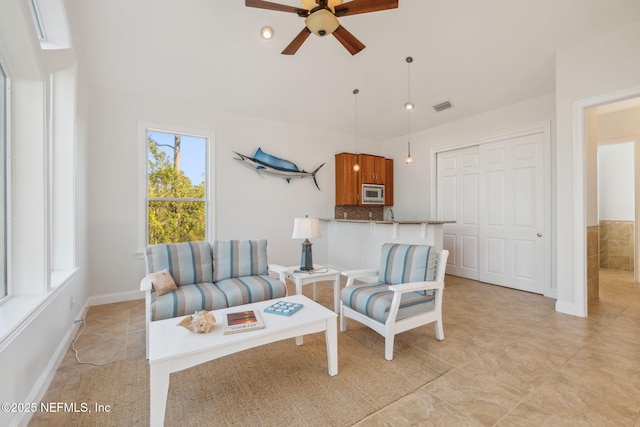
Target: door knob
[{"x": 539, "y": 234}]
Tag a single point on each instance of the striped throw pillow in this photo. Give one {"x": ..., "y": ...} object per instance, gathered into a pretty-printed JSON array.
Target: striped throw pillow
[
  {"x": 188, "y": 262},
  {"x": 237, "y": 258}
]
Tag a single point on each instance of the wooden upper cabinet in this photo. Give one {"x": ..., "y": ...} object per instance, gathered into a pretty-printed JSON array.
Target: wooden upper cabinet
[
  {"x": 372, "y": 169},
  {"x": 347, "y": 180},
  {"x": 388, "y": 183}
]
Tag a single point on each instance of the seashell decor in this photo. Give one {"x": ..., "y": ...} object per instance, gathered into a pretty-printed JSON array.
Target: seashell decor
[{"x": 201, "y": 322}]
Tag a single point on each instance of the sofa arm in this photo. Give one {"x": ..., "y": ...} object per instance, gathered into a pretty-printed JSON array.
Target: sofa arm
[
  {"x": 145, "y": 284},
  {"x": 279, "y": 270}
]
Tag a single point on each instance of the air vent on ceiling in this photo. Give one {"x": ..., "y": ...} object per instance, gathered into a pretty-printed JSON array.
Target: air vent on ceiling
[{"x": 442, "y": 106}]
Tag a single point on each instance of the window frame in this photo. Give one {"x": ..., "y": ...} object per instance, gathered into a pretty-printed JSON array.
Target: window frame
[
  {"x": 6, "y": 290},
  {"x": 143, "y": 201}
]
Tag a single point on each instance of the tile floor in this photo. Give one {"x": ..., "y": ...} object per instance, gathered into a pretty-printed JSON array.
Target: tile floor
[{"x": 514, "y": 360}]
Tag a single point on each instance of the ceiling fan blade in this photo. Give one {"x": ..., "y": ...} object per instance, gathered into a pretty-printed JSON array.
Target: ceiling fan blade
[
  {"x": 348, "y": 40},
  {"x": 297, "y": 42},
  {"x": 260, "y": 4},
  {"x": 364, "y": 6}
]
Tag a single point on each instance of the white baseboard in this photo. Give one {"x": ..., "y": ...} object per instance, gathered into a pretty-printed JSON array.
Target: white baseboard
[{"x": 115, "y": 297}]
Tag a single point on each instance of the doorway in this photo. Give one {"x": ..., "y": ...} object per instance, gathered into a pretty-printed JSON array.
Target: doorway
[
  {"x": 616, "y": 205},
  {"x": 617, "y": 126}
]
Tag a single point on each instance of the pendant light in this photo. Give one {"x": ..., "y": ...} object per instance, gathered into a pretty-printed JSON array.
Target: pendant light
[
  {"x": 409, "y": 107},
  {"x": 356, "y": 167}
]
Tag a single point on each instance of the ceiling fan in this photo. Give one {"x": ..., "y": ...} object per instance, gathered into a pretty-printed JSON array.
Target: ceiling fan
[{"x": 321, "y": 19}]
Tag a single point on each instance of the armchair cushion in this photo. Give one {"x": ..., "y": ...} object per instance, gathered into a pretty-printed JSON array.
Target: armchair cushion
[
  {"x": 374, "y": 301},
  {"x": 187, "y": 299},
  {"x": 237, "y": 258},
  {"x": 402, "y": 263},
  {"x": 248, "y": 289},
  {"x": 188, "y": 263}
]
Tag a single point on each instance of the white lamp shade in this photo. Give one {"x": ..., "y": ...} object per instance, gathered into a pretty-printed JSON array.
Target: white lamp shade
[{"x": 306, "y": 228}]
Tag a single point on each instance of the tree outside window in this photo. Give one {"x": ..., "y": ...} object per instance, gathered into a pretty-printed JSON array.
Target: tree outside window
[{"x": 176, "y": 188}]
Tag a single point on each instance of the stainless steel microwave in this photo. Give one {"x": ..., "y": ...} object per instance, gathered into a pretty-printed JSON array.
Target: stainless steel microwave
[{"x": 372, "y": 194}]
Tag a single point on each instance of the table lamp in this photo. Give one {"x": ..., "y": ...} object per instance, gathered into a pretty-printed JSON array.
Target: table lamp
[{"x": 306, "y": 228}]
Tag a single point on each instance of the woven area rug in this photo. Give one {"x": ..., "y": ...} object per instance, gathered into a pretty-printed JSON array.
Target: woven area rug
[{"x": 273, "y": 385}]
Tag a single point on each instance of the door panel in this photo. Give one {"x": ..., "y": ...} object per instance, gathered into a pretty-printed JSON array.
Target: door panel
[
  {"x": 457, "y": 199},
  {"x": 511, "y": 188}
]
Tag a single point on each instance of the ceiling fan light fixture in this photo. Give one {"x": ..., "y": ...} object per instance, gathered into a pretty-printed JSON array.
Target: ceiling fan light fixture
[
  {"x": 322, "y": 22},
  {"x": 311, "y": 4}
]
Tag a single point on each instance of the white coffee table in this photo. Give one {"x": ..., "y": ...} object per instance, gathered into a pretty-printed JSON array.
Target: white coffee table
[
  {"x": 320, "y": 274},
  {"x": 173, "y": 348}
]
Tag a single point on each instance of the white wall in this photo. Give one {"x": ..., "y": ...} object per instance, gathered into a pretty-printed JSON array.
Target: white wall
[
  {"x": 587, "y": 74},
  {"x": 616, "y": 199},
  {"x": 413, "y": 183},
  {"x": 616, "y": 127},
  {"x": 247, "y": 206},
  {"x": 619, "y": 124}
]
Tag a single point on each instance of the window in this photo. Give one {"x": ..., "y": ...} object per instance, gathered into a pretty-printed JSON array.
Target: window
[
  {"x": 177, "y": 187},
  {"x": 4, "y": 103}
]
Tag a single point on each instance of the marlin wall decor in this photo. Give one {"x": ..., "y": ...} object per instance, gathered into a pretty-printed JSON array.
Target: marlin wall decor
[{"x": 262, "y": 162}]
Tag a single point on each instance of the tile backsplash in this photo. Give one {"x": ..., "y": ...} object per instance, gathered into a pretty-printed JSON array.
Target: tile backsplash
[{"x": 374, "y": 213}]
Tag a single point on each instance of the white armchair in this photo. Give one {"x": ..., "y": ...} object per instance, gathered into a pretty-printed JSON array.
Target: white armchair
[{"x": 404, "y": 293}]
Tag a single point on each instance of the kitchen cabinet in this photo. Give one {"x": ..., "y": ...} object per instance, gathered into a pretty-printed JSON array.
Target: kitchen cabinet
[
  {"x": 373, "y": 170},
  {"x": 347, "y": 180},
  {"x": 388, "y": 182}
]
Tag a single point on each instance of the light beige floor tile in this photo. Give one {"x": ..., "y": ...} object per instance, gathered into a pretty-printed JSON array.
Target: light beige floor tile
[{"x": 514, "y": 360}]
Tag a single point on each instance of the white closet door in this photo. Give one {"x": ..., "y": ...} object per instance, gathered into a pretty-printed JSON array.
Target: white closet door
[
  {"x": 495, "y": 193},
  {"x": 511, "y": 215},
  {"x": 457, "y": 199}
]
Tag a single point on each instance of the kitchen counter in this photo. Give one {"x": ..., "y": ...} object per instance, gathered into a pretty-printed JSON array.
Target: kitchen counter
[{"x": 415, "y": 221}]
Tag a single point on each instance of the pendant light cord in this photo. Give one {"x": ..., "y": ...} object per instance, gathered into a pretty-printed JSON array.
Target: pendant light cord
[{"x": 355, "y": 92}]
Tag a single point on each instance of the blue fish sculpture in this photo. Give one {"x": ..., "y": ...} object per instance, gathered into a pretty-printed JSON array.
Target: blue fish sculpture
[{"x": 263, "y": 162}]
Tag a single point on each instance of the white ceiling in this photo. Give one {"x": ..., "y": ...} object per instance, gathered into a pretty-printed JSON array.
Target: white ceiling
[{"x": 480, "y": 55}]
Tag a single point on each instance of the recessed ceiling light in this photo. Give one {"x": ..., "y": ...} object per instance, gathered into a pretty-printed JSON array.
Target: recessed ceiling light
[{"x": 266, "y": 32}]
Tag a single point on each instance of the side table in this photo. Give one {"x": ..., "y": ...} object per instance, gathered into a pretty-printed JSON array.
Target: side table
[{"x": 319, "y": 274}]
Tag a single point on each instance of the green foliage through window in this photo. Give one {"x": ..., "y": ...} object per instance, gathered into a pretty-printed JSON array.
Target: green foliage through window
[{"x": 176, "y": 205}]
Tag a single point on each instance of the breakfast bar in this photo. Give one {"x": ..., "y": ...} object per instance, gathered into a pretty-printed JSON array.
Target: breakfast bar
[{"x": 354, "y": 243}]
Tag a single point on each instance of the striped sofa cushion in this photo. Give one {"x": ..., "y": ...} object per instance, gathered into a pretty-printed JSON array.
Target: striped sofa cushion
[
  {"x": 402, "y": 263},
  {"x": 188, "y": 262},
  {"x": 248, "y": 289},
  {"x": 237, "y": 258},
  {"x": 374, "y": 301},
  {"x": 187, "y": 299}
]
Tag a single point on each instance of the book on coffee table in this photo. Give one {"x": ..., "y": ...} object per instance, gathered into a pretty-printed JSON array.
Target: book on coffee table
[{"x": 242, "y": 321}]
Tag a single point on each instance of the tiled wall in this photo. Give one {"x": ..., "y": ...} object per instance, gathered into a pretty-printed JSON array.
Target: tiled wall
[
  {"x": 375, "y": 213},
  {"x": 616, "y": 245},
  {"x": 593, "y": 269}
]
